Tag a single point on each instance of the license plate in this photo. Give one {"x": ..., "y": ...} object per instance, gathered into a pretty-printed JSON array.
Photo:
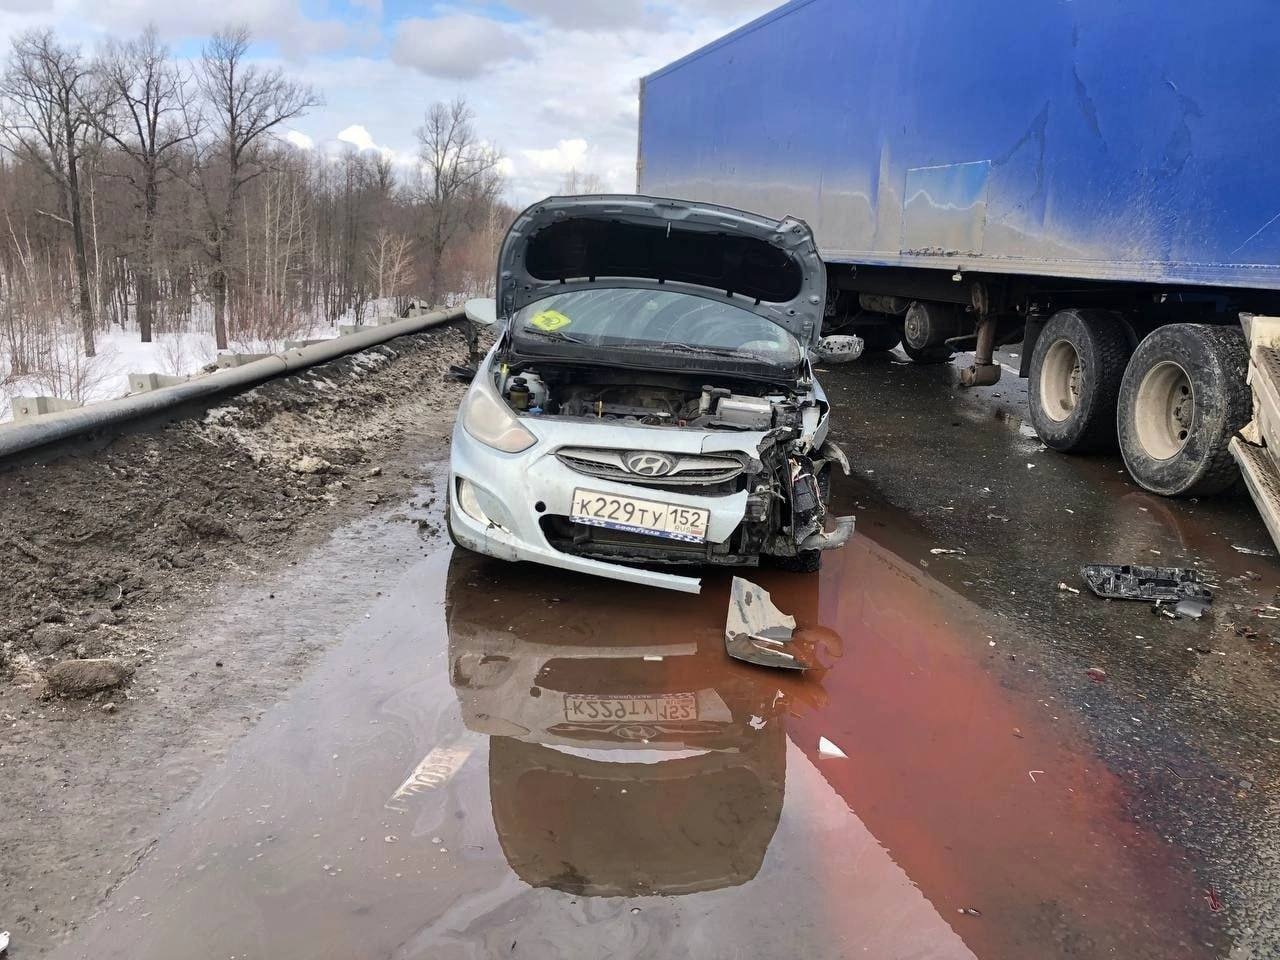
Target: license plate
[
  {"x": 587, "y": 708},
  {"x": 640, "y": 516}
]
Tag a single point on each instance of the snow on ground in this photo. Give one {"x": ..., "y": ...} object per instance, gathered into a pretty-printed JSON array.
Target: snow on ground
[{"x": 120, "y": 353}]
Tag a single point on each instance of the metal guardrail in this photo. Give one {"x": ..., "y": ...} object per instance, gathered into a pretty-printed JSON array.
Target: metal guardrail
[{"x": 30, "y": 434}]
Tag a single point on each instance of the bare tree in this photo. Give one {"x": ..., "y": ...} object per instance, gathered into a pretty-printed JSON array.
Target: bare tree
[
  {"x": 459, "y": 177},
  {"x": 387, "y": 258},
  {"x": 50, "y": 107},
  {"x": 245, "y": 103},
  {"x": 149, "y": 122},
  {"x": 577, "y": 184}
]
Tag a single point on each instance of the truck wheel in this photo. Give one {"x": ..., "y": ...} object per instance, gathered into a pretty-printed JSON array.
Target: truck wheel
[
  {"x": 1183, "y": 398},
  {"x": 879, "y": 339},
  {"x": 925, "y": 330},
  {"x": 1076, "y": 370}
]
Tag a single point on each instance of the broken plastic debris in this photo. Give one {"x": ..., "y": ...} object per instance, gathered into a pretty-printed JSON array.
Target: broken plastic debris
[
  {"x": 943, "y": 551},
  {"x": 756, "y": 631},
  {"x": 828, "y": 749},
  {"x": 1067, "y": 587},
  {"x": 1132, "y": 582},
  {"x": 970, "y": 911},
  {"x": 1253, "y": 551},
  {"x": 4, "y": 940},
  {"x": 757, "y": 723},
  {"x": 1192, "y": 609}
]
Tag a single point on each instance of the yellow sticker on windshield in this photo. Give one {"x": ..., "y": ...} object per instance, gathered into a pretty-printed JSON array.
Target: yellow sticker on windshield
[{"x": 549, "y": 320}]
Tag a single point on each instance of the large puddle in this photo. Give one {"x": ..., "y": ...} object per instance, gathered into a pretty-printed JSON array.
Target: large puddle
[{"x": 513, "y": 761}]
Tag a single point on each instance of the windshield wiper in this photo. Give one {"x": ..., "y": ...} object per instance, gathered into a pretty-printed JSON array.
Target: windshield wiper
[
  {"x": 710, "y": 351},
  {"x": 554, "y": 337}
]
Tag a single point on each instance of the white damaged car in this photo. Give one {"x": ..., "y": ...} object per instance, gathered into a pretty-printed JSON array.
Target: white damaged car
[{"x": 649, "y": 401}]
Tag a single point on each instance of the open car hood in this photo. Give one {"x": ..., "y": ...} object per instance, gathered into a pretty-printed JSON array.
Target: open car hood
[{"x": 770, "y": 267}]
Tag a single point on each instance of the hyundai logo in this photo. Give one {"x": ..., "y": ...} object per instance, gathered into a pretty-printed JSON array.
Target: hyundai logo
[{"x": 649, "y": 464}]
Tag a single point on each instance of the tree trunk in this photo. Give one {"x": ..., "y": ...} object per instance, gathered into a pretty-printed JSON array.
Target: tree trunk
[
  {"x": 82, "y": 262},
  {"x": 147, "y": 271},
  {"x": 219, "y": 280}
]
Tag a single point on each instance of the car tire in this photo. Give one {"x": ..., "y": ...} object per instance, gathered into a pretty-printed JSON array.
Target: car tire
[
  {"x": 1076, "y": 369},
  {"x": 1183, "y": 397},
  {"x": 806, "y": 561}
]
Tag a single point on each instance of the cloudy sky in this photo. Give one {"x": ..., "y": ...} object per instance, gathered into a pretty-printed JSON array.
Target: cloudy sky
[{"x": 553, "y": 82}]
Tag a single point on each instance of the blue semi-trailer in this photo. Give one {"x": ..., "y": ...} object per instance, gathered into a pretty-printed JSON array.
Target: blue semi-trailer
[{"x": 1092, "y": 178}]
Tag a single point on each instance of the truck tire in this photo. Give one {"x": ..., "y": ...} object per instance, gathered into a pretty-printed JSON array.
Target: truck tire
[
  {"x": 881, "y": 338},
  {"x": 1183, "y": 398},
  {"x": 925, "y": 330},
  {"x": 1076, "y": 369}
]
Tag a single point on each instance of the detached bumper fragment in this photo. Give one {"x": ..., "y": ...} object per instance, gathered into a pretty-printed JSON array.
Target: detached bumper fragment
[{"x": 758, "y": 632}]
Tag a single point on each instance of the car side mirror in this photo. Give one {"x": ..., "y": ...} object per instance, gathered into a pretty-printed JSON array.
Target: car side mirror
[
  {"x": 840, "y": 348},
  {"x": 483, "y": 310}
]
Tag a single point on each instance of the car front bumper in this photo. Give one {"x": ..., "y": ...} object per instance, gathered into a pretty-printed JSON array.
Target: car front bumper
[{"x": 510, "y": 486}]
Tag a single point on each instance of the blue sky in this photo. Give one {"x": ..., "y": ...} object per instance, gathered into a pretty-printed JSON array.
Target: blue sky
[{"x": 553, "y": 82}]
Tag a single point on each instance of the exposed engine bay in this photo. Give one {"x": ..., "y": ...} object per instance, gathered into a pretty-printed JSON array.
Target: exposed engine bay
[
  {"x": 784, "y": 473},
  {"x": 651, "y": 399}
]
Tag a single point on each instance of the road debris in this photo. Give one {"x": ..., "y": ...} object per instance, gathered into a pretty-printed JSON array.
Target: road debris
[
  {"x": 970, "y": 911},
  {"x": 1253, "y": 551},
  {"x": 945, "y": 552},
  {"x": 1096, "y": 674},
  {"x": 4, "y": 940},
  {"x": 756, "y": 631},
  {"x": 1191, "y": 609},
  {"x": 78, "y": 678},
  {"x": 828, "y": 749},
  {"x": 1133, "y": 582},
  {"x": 1032, "y": 775},
  {"x": 1067, "y": 588}
]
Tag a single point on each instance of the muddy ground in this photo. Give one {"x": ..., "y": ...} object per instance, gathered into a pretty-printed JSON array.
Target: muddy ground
[
  {"x": 345, "y": 739},
  {"x": 106, "y": 553}
]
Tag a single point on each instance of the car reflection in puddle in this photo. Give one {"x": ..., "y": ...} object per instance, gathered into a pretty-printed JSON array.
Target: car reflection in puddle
[{"x": 628, "y": 755}]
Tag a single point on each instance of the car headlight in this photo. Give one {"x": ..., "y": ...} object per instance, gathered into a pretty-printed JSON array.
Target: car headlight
[{"x": 491, "y": 421}]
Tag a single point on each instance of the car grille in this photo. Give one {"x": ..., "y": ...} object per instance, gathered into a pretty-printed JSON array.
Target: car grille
[{"x": 687, "y": 470}]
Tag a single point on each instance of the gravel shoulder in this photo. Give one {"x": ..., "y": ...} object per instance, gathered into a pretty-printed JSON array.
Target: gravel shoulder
[{"x": 111, "y": 557}]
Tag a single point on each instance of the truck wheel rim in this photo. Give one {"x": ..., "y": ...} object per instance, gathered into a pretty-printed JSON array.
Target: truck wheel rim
[
  {"x": 1163, "y": 410},
  {"x": 1060, "y": 376}
]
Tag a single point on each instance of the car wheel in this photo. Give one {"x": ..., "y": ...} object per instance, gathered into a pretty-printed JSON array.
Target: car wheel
[
  {"x": 806, "y": 561},
  {"x": 1076, "y": 369},
  {"x": 1184, "y": 396}
]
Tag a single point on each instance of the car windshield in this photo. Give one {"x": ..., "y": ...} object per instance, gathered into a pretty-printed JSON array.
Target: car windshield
[{"x": 657, "y": 320}]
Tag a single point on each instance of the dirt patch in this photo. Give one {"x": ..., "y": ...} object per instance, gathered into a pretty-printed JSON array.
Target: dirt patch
[
  {"x": 204, "y": 566},
  {"x": 91, "y": 544}
]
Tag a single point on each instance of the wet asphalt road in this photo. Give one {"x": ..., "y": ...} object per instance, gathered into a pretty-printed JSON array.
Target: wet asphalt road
[{"x": 511, "y": 761}]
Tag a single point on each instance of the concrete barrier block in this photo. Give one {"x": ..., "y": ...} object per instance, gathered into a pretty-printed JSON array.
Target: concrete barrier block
[
  {"x": 27, "y": 408},
  {"x": 142, "y": 382}
]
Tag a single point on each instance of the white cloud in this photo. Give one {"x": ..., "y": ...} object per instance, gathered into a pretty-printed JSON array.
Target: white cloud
[
  {"x": 458, "y": 46},
  {"x": 358, "y": 137},
  {"x": 564, "y": 156},
  {"x": 555, "y": 92}
]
